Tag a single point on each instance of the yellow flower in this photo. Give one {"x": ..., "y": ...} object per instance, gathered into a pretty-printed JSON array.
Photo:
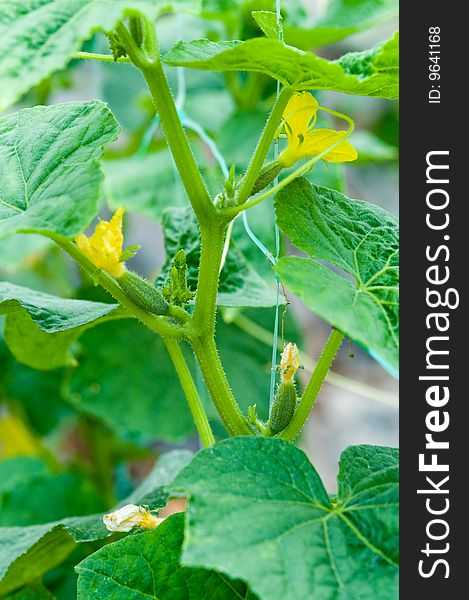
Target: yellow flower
[
  {"x": 130, "y": 516},
  {"x": 290, "y": 362},
  {"x": 104, "y": 247},
  {"x": 299, "y": 119}
]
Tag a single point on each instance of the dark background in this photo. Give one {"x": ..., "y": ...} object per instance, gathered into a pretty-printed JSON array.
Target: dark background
[{"x": 426, "y": 127}]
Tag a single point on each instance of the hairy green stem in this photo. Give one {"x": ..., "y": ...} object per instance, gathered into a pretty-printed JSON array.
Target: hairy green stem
[
  {"x": 218, "y": 387},
  {"x": 201, "y": 329},
  {"x": 263, "y": 147},
  {"x": 190, "y": 391},
  {"x": 312, "y": 389},
  {"x": 176, "y": 138},
  {"x": 211, "y": 251},
  {"x": 153, "y": 322}
]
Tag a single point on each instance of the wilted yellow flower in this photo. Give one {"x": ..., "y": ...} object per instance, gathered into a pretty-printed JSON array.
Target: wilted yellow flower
[
  {"x": 104, "y": 247},
  {"x": 130, "y": 516},
  {"x": 299, "y": 119},
  {"x": 290, "y": 362}
]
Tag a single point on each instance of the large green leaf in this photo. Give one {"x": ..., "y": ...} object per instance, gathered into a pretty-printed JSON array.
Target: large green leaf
[
  {"x": 340, "y": 19},
  {"x": 28, "y": 552},
  {"x": 240, "y": 284},
  {"x": 358, "y": 238},
  {"x": 126, "y": 379},
  {"x": 49, "y": 173},
  {"x": 40, "y": 328},
  {"x": 45, "y": 34},
  {"x": 373, "y": 72},
  {"x": 148, "y": 566},
  {"x": 258, "y": 511}
]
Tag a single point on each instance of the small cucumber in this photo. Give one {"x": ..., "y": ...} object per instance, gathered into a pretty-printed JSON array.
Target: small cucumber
[
  {"x": 266, "y": 176},
  {"x": 143, "y": 293},
  {"x": 283, "y": 407}
]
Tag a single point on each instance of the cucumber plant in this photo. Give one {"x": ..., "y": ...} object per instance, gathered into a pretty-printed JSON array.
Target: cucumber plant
[{"x": 258, "y": 522}]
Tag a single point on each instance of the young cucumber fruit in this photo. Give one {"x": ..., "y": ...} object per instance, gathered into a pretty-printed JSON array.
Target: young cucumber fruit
[
  {"x": 143, "y": 294},
  {"x": 283, "y": 407}
]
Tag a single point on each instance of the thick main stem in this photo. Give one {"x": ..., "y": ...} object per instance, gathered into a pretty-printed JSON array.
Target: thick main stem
[
  {"x": 211, "y": 251},
  {"x": 190, "y": 391},
  {"x": 203, "y": 329},
  {"x": 315, "y": 383},
  {"x": 218, "y": 387}
]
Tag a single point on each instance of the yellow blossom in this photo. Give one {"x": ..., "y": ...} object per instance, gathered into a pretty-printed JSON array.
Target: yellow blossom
[
  {"x": 299, "y": 119},
  {"x": 130, "y": 516},
  {"x": 104, "y": 247},
  {"x": 290, "y": 362}
]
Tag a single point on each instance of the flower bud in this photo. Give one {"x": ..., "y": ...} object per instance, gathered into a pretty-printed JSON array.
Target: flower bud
[
  {"x": 136, "y": 29},
  {"x": 290, "y": 362},
  {"x": 143, "y": 293},
  {"x": 115, "y": 45},
  {"x": 129, "y": 516}
]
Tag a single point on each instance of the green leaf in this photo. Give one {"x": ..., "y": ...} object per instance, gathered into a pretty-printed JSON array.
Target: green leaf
[
  {"x": 147, "y": 565},
  {"x": 117, "y": 362},
  {"x": 143, "y": 184},
  {"x": 40, "y": 328},
  {"x": 48, "y": 166},
  {"x": 267, "y": 21},
  {"x": 370, "y": 73},
  {"x": 28, "y": 552},
  {"x": 341, "y": 19},
  {"x": 240, "y": 284},
  {"x": 46, "y": 33},
  {"x": 360, "y": 239},
  {"x": 258, "y": 511},
  {"x": 32, "y": 496}
]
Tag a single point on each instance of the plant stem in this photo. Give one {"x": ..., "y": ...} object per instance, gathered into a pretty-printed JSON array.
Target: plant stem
[
  {"x": 211, "y": 250},
  {"x": 218, "y": 386},
  {"x": 156, "y": 324},
  {"x": 263, "y": 146},
  {"x": 312, "y": 389},
  {"x": 190, "y": 391},
  {"x": 201, "y": 328},
  {"x": 101, "y": 57},
  {"x": 178, "y": 143}
]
